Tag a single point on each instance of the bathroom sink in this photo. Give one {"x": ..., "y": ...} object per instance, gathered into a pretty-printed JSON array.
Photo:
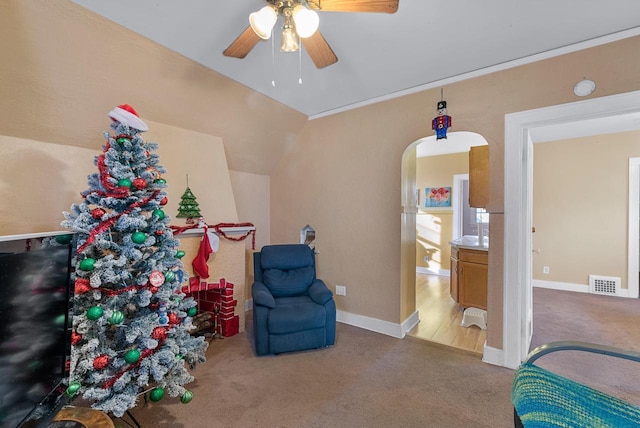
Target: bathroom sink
[{"x": 470, "y": 241}]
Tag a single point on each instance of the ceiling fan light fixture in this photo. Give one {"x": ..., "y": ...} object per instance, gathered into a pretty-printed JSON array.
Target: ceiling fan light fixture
[
  {"x": 289, "y": 40},
  {"x": 262, "y": 21},
  {"x": 306, "y": 20}
]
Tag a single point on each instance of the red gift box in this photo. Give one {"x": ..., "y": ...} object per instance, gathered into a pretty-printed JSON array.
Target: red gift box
[{"x": 229, "y": 326}]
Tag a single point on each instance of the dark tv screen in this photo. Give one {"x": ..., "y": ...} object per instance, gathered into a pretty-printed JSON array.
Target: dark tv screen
[{"x": 34, "y": 331}]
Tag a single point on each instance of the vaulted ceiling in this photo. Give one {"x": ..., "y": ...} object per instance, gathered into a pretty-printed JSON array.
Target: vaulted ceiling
[{"x": 424, "y": 44}]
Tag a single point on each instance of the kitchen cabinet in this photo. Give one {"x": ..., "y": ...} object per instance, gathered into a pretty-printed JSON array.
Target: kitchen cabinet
[
  {"x": 469, "y": 277},
  {"x": 479, "y": 176}
]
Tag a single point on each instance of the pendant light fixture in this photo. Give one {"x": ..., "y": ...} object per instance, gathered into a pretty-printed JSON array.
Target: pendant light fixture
[{"x": 289, "y": 36}]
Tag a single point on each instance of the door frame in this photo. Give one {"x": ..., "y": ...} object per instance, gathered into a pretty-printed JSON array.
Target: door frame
[
  {"x": 458, "y": 203},
  {"x": 517, "y": 307}
]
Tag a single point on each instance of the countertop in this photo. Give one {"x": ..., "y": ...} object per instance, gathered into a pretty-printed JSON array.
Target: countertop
[{"x": 470, "y": 242}]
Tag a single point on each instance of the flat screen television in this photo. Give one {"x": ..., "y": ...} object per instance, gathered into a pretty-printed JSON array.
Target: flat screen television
[{"x": 35, "y": 299}]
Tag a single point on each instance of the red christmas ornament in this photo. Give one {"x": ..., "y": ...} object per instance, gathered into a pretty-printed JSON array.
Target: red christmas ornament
[
  {"x": 164, "y": 201},
  {"x": 81, "y": 286},
  {"x": 159, "y": 232},
  {"x": 153, "y": 289},
  {"x": 159, "y": 333},
  {"x": 97, "y": 213},
  {"x": 156, "y": 278},
  {"x": 101, "y": 362},
  {"x": 139, "y": 183},
  {"x": 75, "y": 338},
  {"x": 174, "y": 319}
]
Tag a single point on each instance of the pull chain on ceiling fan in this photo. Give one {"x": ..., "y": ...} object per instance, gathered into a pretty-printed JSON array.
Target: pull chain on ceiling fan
[{"x": 301, "y": 23}]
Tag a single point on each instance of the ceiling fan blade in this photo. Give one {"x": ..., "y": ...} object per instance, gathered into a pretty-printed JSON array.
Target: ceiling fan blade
[
  {"x": 381, "y": 6},
  {"x": 243, "y": 44},
  {"x": 319, "y": 50}
]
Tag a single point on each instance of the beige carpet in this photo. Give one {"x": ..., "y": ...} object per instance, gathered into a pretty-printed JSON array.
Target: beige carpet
[
  {"x": 365, "y": 380},
  {"x": 606, "y": 320}
]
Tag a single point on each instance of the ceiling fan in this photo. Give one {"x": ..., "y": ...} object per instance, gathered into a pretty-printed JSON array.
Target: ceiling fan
[{"x": 301, "y": 23}]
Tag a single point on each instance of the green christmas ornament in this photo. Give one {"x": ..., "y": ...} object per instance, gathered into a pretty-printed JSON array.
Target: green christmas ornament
[
  {"x": 116, "y": 318},
  {"x": 73, "y": 388},
  {"x": 122, "y": 140},
  {"x": 132, "y": 356},
  {"x": 169, "y": 276},
  {"x": 94, "y": 312},
  {"x": 124, "y": 182},
  {"x": 156, "y": 394},
  {"x": 138, "y": 237},
  {"x": 160, "y": 181},
  {"x": 180, "y": 254},
  {"x": 186, "y": 397},
  {"x": 87, "y": 264},
  {"x": 63, "y": 239},
  {"x": 158, "y": 213},
  {"x": 192, "y": 311}
]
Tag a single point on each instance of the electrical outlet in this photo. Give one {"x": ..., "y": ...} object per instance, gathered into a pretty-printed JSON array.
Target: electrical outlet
[
  {"x": 545, "y": 270},
  {"x": 341, "y": 290}
]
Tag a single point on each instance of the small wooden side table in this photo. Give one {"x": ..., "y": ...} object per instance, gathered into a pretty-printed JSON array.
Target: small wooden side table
[{"x": 81, "y": 417}]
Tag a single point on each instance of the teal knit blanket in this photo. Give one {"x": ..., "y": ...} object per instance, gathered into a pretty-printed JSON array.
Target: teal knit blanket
[{"x": 543, "y": 399}]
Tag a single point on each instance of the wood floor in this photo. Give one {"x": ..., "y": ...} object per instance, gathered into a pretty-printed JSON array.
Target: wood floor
[{"x": 440, "y": 317}]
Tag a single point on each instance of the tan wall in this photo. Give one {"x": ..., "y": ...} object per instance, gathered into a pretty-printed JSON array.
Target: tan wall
[
  {"x": 57, "y": 86},
  {"x": 201, "y": 157},
  {"x": 355, "y": 205},
  {"x": 38, "y": 182},
  {"x": 434, "y": 228},
  {"x": 251, "y": 192},
  {"x": 340, "y": 174},
  {"x": 580, "y": 207}
]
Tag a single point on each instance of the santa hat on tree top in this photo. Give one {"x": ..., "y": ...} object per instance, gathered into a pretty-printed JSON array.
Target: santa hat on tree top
[{"x": 126, "y": 114}]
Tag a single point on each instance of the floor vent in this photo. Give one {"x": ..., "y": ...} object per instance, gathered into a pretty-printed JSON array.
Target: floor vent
[{"x": 607, "y": 285}]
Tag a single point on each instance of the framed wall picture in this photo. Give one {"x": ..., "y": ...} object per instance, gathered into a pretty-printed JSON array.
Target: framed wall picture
[{"x": 437, "y": 197}]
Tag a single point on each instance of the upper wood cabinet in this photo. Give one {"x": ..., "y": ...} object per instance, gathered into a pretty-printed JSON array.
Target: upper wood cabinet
[{"x": 479, "y": 176}]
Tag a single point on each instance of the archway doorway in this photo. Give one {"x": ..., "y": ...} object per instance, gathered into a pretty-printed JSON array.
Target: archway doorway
[{"x": 427, "y": 231}]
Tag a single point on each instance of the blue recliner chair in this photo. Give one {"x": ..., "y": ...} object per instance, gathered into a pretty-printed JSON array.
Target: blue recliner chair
[{"x": 292, "y": 309}]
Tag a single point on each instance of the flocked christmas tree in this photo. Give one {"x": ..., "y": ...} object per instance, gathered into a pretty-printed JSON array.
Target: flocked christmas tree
[
  {"x": 188, "y": 207},
  {"x": 131, "y": 322}
]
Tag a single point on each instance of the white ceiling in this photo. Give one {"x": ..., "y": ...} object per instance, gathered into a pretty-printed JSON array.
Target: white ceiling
[{"x": 426, "y": 43}]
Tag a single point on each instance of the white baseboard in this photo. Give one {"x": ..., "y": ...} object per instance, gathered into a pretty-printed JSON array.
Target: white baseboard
[
  {"x": 410, "y": 322},
  {"x": 379, "y": 326},
  {"x": 429, "y": 271},
  {"x": 564, "y": 286},
  {"x": 493, "y": 356},
  {"x": 577, "y": 288}
]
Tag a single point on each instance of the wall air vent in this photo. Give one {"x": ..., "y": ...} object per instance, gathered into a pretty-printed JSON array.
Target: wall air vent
[{"x": 607, "y": 285}]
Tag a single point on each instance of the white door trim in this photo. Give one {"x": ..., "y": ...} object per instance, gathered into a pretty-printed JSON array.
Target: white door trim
[
  {"x": 517, "y": 223},
  {"x": 634, "y": 228},
  {"x": 458, "y": 203}
]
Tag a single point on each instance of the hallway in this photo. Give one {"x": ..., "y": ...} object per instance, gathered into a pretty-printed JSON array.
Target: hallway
[{"x": 440, "y": 317}]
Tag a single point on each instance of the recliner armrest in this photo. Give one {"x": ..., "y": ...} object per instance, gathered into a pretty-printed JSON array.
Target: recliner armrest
[
  {"x": 319, "y": 292},
  {"x": 262, "y": 296}
]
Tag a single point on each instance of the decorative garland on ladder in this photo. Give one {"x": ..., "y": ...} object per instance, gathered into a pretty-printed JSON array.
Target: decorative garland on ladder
[{"x": 177, "y": 230}]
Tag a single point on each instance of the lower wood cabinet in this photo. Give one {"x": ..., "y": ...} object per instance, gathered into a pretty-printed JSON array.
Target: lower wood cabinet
[{"x": 469, "y": 274}]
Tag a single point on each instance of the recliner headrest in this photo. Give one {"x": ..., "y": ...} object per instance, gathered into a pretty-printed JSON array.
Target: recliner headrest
[{"x": 286, "y": 256}]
